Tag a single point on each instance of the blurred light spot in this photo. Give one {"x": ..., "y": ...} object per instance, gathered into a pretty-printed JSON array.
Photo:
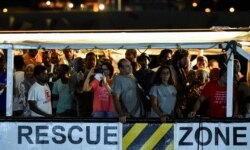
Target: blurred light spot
[
  {"x": 207, "y": 10},
  {"x": 5, "y": 10},
  {"x": 82, "y": 5},
  {"x": 71, "y": 5},
  {"x": 48, "y": 3},
  {"x": 101, "y": 6},
  {"x": 231, "y": 10},
  {"x": 194, "y": 4}
]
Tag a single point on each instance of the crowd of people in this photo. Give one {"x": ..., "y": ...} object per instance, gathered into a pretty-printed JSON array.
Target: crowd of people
[{"x": 46, "y": 85}]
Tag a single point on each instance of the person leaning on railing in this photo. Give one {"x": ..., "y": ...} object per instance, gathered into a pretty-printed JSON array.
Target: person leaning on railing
[{"x": 215, "y": 92}]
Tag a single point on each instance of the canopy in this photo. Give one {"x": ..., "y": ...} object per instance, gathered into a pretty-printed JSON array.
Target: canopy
[{"x": 232, "y": 40}]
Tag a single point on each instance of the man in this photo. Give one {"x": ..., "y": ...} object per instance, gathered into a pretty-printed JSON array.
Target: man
[
  {"x": 164, "y": 58},
  {"x": 30, "y": 57},
  {"x": 179, "y": 68},
  {"x": 216, "y": 93},
  {"x": 131, "y": 55},
  {"x": 39, "y": 96},
  {"x": 125, "y": 96},
  {"x": 144, "y": 77}
]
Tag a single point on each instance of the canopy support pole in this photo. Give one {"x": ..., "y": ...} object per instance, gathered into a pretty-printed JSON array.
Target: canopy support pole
[
  {"x": 9, "y": 92},
  {"x": 230, "y": 68}
]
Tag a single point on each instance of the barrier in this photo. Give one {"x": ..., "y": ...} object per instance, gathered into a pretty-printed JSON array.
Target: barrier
[{"x": 78, "y": 133}]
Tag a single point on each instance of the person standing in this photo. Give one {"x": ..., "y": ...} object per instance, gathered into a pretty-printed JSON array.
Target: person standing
[
  {"x": 19, "y": 96},
  {"x": 125, "y": 93},
  {"x": 144, "y": 77},
  {"x": 102, "y": 102},
  {"x": 39, "y": 96},
  {"x": 163, "y": 95},
  {"x": 216, "y": 93},
  {"x": 61, "y": 92}
]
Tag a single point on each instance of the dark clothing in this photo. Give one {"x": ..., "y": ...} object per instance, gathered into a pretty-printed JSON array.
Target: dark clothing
[{"x": 145, "y": 80}]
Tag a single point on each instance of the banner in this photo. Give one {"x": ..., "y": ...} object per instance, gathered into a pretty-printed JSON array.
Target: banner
[
  {"x": 212, "y": 136},
  {"x": 60, "y": 136}
]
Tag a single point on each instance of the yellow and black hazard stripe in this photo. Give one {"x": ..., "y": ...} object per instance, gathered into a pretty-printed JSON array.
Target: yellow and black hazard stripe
[{"x": 148, "y": 136}]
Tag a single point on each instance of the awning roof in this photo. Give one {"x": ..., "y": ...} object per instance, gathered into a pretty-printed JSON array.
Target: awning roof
[{"x": 125, "y": 38}]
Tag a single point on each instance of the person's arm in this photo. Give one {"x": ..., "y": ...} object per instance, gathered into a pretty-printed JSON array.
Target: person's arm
[
  {"x": 87, "y": 86},
  {"x": 197, "y": 106},
  {"x": 35, "y": 109},
  {"x": 118, "y": 106},
  {"x": 157, "y": 110},
  {"x": 194, "y": 62},
  {"x": 107, "y": 84}
]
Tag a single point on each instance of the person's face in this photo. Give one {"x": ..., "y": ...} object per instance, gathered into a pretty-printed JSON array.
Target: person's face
[
  {"x": 90, "y": 62},
  {"x": 214, "y": 65},
  {"x": 42, "y": 77},
  {"x": 168, "y": 56},
  {"x": 106, "y": 70},
  {"x": 29, "y": 72},
  {"x": 143, "y": 62},
  {"x": 46, "y": 59},
  {"x": 201, "y": 64},
  {"x": 126, "y": 67},
  {"x": 184, "y": 62},
  {"x": 33, "y": 53},
  {"x": 54, "y": 58},
  {"x": 130, "y": 56},
  {"x": 165, "y": 75},
  {"x": 69, "y": 54}
]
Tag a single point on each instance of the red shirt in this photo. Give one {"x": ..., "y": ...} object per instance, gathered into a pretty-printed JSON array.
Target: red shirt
[
  {"x": 217, "y": 97},
  {"x": 102, "y": 98}
]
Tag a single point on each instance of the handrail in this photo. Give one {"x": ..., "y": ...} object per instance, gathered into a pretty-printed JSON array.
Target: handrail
[{"x": 114, "y": 120}]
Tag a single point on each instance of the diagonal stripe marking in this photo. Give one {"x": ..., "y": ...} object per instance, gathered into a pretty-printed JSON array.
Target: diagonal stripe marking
[
  {"x": 132, "y": 134},
  {"x": 156, "y": 137},
  {"x": 170, "y": 146}
]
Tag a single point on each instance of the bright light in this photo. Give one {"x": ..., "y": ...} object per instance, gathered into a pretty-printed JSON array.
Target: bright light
[
  {"x": 5, "y": 10},
  {"x": 48, "y": 3},
  {"x": 82, "y": 5},
  {"x": 231, "y": 9},
  {"x": 71, "y": 5},
  {"x": 194, "y": 4},
  {"x": 207, "y": 10},
  {"x": 101, "y": 6}
]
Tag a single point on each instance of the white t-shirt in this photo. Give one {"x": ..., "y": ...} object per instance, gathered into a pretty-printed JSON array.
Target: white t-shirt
[
  {"x": 19, "y": 99},
  {"x": 42, "y": 95}
]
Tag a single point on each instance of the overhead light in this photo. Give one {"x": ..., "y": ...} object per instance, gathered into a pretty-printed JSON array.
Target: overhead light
[
  {"x": 5, "y": 10},
  {"x": 48, "y": 3},
  {"x": 71, "y": 5},
  {"x": 231, "y": 10},
  {"x": 82, "y": 5},
  {"x": 194, "y": 4},
  {"x": 101, "y": 6},
  {"x": 207, "y": 10}
]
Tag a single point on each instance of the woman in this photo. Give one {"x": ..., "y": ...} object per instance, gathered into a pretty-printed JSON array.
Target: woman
[
  {"x": 103, "y": 102},
  {"x": 24, "y": 87},
  {"x": 163, "y": 95}
]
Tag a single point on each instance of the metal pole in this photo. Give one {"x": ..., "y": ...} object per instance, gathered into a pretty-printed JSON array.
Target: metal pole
[
  {"x": 230, "y": 68},
  {"x": 9, "y": 92}
]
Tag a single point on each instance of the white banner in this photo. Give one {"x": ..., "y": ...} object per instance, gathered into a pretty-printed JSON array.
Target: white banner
[
  {"x": 212, "y": 136},
  {"x": 60, "y": 136}
]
